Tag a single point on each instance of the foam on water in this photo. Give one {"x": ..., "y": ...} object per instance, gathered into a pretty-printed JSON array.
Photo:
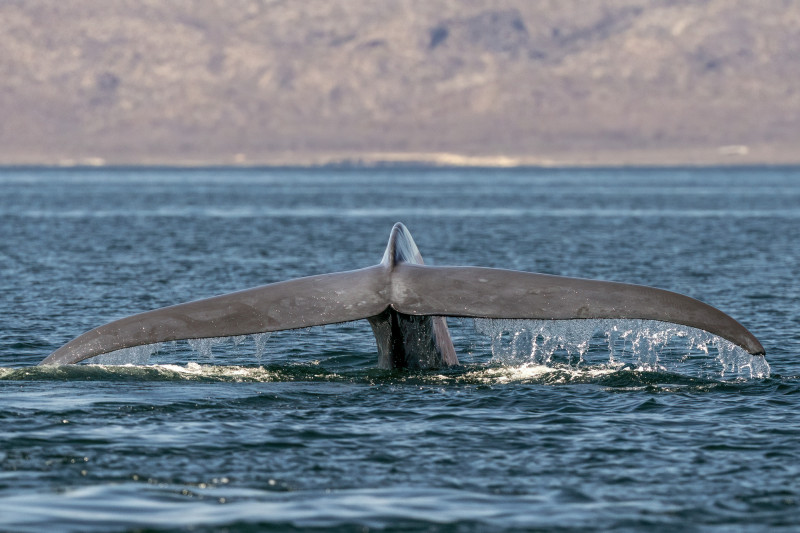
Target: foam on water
[{"x": 192, "y": 371}]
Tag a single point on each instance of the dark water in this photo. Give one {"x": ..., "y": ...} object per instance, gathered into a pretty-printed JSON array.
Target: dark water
[{"x": 310, "y": 435}]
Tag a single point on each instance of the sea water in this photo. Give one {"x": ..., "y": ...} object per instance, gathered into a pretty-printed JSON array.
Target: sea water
[{"x": 563, "y": 426}]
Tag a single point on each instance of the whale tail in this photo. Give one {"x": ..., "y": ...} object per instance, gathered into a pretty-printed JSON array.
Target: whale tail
[{"x": 405, "y": 302}]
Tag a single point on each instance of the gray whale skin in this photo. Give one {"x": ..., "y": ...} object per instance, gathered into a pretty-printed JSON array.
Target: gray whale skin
[{"x": 405, "y": 302}]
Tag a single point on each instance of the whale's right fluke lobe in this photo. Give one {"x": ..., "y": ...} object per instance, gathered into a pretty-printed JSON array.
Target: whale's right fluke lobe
[{"x": 495, "y": 293}]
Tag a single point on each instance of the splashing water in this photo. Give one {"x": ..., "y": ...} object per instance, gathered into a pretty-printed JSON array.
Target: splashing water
[
  {"x": 138, "y": 355},
  {"x": 647, "y": 345},
  {"x": 260, "y": 341},
  {"x": 203, "y": 349},
  {"x": 591, "y": 345}
]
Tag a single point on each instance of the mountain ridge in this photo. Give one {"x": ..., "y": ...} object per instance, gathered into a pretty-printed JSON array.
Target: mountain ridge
[{"x": 439, "y": 82}]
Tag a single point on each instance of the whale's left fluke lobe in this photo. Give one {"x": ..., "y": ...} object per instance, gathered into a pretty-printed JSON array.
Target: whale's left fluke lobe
[
  {"x": 404, "y": 301},
  {"x": 299, "y": 303}
]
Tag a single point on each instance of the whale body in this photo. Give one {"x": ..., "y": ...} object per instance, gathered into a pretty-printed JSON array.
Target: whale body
[{"x": 405, "y": 302}]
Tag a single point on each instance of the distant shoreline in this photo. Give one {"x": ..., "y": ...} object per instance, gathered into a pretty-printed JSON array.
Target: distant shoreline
[
  {"x": 415, "y": 161},
  {"x": 393, "y": 167},
  {"x": 725, "y": 156}
]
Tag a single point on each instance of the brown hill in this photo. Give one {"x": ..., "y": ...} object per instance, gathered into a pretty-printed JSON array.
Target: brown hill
[{"x": 458, "y": 81}]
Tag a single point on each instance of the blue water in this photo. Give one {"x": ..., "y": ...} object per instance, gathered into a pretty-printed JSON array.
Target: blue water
[{"x": 303, "y": 432}]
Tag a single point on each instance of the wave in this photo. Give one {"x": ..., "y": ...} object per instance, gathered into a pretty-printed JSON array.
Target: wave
[{"x": 611, "y": 375}]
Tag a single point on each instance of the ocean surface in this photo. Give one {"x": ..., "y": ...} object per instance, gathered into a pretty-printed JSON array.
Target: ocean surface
[{"x": 544, "y": 426}]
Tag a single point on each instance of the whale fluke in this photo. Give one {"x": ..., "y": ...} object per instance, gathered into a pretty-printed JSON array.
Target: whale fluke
[{"x": 405, "y": 302}]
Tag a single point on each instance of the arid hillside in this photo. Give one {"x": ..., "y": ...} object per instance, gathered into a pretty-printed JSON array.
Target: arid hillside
[{"x": 448, "y": 81}]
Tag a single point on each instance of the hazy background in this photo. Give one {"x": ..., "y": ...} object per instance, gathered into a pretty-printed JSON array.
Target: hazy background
[{"x": 459, "y": 82}]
